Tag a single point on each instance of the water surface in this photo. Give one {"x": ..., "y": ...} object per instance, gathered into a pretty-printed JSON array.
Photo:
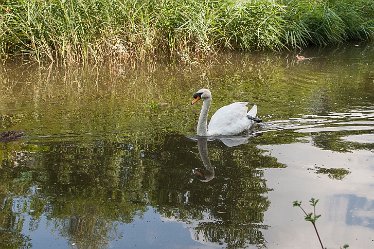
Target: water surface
[{"x": 107, "y": 158}]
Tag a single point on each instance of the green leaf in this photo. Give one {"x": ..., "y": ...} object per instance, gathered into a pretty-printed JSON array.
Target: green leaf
[
  {"x": 297, "y": 203},
  {"x": 313, "y": 202}
]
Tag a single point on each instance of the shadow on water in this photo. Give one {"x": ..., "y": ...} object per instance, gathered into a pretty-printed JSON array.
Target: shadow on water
[{"x": 108, "y": 161}]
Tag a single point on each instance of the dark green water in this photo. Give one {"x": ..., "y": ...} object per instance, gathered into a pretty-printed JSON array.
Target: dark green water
[{"x": 106, "y": 158}]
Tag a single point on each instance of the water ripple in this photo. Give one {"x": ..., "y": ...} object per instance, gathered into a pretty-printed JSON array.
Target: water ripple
[{"x": 355, "y": 120}]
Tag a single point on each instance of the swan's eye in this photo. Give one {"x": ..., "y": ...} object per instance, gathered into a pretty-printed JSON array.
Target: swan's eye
[{"x": 197, "y": 95}]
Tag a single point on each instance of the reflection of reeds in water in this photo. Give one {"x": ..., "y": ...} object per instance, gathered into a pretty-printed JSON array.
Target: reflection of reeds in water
[{"x": 92, "y": 100}]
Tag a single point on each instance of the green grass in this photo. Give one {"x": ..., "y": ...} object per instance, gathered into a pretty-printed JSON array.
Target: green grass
[{"x": 76, "y": 31}]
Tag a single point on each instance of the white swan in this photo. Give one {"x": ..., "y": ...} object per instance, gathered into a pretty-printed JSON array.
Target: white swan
[{"x": 231, "y": 119}]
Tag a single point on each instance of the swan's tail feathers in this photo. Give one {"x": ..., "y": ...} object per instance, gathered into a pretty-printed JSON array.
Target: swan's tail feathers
[
  {"x": 253, "y": 113},
  {"x": 256, "y": 119}
]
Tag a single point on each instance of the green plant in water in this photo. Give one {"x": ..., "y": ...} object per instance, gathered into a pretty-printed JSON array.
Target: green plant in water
[{"x": 311, "y": 217}]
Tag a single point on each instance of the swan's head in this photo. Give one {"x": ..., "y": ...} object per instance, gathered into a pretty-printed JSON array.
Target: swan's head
[
  {"x": 203, "y": 175},
  {"x": 201, "y": 94}
]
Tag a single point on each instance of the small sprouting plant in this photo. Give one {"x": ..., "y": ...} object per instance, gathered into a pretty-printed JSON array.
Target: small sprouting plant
[{"x": 311, "y": 217}]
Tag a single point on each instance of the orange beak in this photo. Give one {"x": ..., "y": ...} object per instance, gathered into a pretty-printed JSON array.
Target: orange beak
[{"x": 195, "y": 100}]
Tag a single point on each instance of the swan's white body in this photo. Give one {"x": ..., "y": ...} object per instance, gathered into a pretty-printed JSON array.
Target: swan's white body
[{"x": 231, "y": 119}]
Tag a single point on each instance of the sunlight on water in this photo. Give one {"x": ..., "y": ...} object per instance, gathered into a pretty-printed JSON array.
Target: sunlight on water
[
  {"x": 108, "y": 157},
  {"x": 365, "y": 138}
]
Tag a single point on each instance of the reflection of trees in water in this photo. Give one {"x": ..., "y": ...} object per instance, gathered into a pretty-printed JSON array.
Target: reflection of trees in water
[
  {"x": 330, "y": 141},
  {"x": 234, "y": 201},
  {"x": 14, "y": 182},
  {"x": 333, "y": 141},
  {"x": 86, "y": 231},
  {"x": 82, "y": 187},
  {"x": 85, "y": 187},
  {"x": 11, "y": 224},
  {"x": 94, "y": 185}
]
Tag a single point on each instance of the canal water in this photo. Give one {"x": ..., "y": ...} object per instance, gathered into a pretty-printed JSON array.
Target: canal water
[{"x": 107, "y": 157}]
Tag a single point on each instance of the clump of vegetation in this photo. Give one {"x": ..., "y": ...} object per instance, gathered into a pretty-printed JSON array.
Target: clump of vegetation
[
  {"x": 131, "y": 30},
  {"x": 333, "y": 173}
]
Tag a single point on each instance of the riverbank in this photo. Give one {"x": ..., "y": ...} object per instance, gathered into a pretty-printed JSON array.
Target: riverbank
[{"x": 74, "y": 31}]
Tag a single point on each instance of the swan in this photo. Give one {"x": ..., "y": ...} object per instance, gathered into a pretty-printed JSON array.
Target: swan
[{"x": 231, "y": 119}]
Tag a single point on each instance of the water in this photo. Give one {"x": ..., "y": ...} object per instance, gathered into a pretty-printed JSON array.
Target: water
[{"x": 107, "y": 157}]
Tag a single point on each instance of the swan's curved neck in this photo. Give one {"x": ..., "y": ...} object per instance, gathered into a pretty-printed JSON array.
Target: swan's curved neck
[{"x": 202, "y": 125}]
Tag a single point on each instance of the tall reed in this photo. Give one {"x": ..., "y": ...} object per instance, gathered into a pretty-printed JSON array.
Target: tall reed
[
  {"x": 76, "y": 31},
  {"x": 323, "y": 22}
]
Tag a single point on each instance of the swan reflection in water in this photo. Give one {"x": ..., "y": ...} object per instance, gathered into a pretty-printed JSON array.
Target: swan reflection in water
[{"x": 205, "y": 174}]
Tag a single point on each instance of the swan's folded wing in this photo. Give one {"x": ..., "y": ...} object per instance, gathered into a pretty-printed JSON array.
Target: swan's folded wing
[{"x": 230, "y": 119}]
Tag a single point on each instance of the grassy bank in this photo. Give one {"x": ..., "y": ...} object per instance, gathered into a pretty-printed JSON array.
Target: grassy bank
[{"x": 70, "y": 31}]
